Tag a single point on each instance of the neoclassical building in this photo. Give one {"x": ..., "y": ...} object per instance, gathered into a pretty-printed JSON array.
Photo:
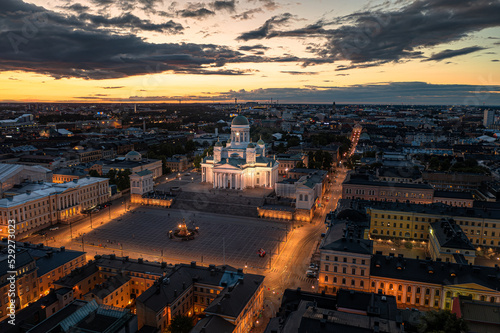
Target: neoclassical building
[{"x": 241, "y": 164}]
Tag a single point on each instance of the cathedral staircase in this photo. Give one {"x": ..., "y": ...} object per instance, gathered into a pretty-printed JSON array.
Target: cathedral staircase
[{"x": 227, "y": 202}]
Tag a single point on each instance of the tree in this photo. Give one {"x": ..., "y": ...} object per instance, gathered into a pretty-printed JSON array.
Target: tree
[
  {"x": 181, "y": 324},
  {"x": 442, "y": 321},
  {"x": 197, "y": 161},
  {"x": 94, "y": 173},
  {"x": 190, "y": 146}
]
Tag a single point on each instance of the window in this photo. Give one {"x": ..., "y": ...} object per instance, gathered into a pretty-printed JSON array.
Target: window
[
  {"x": 343, "y": 281},
  {"x": 408, "y": 289},
  {"x": 363, "y": 262},
  {"x": 326, "y": 278},
  {"x": 362, "y": 284},
  {"x": 336, "y": 259},
  {"x": 327, "y": 258},
  {"x": 353, "y": 283},
  {"x": 335, "y": 269},
  {"x": 391, "y": 287},
  {"x": 326, "y": 268},
  {"x": 382, "y": 285},
  {"x": 400, "y": 288},
  {"x": 354, "y": 271},
  {"x": 354, "y": 260},
  {"x": 362, "y": 272},
  {"x": 344, "y": 270},
  {"x": 345, "y": 259}
]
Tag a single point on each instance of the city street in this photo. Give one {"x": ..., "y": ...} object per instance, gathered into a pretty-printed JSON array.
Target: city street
[{"x": 289, "y": 267}]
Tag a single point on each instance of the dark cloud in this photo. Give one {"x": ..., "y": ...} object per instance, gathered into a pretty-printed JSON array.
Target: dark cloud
[
  {"x": 224, "y": 5},
  {"x": 128, "y": 5},
  {"x": 265, "y": 30},
  {"x": 253, "y": 47},
  {"x": 495, "y": 60},
  {"x": 299, "y": 73},
  {"x": 248, "y": 14},
  {"x": 446, "y": 54},
  {"x": 129, "y": 20},
  {"x": 62, "y": 46},
  {"x": 117, "y": 87},
  {"x": 78, "y": 8},
  {"x": 195, "y": 13},
  {"x": 375, "y": 37},
  {"x": 268, "y": 4}
]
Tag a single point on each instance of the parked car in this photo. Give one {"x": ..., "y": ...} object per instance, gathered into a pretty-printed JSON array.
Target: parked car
[
  {"x": 313, "y": 267},
  {"x": 54, "y": 228},
  {"x": 311, "y": 273}
]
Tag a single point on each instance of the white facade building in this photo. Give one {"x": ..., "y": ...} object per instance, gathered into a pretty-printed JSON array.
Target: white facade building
[
  {"x": 241, "y": 164},
  {"x": 44, "y": 204},
  {"x": 141, "y": 182}
]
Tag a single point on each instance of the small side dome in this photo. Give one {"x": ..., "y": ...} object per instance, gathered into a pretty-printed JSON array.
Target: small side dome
[
  {"x": 251, "y": 145},
  {"x": 218, "y": 144},
  {"x": 261, "y": 142},
  {"x": 240, "y": 120},
  {"x": 133, "y": 156}
]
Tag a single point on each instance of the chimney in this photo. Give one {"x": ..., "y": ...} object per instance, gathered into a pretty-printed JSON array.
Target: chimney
[
  {"x": 140, "y": 261},
  {"x": 193, "y": 263},
  {"x": 62, "y": 248}
]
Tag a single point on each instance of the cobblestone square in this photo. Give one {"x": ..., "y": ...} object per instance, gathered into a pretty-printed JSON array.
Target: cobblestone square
[{"x": 143, "y": 232}]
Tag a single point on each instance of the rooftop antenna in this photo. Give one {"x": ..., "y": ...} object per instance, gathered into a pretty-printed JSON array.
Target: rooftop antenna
[{"x": 236, "y": 101}]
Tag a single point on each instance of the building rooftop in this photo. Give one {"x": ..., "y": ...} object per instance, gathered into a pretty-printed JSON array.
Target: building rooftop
[
  {"x": 432, "y": 209},
  {"x": 449, "y": 234},
  {"x": 102, "y": 290},
  {"x": 454, "y": 195},
  {"x": 357, "y": 181},
  {"x": 174, "y": 284},
  {"x": 434, "y": 272},
  {"x": 40, "y": 190}
]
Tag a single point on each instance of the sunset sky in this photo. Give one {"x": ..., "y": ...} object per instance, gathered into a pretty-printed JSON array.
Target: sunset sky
[{"x": 410, "y": 52}]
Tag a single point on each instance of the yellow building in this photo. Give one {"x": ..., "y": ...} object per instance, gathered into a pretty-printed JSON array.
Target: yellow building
[
  {"x": 412, "y": 221},
  {"x": 37, "y": 267},
  {"x": 432, "y": 284},
  {"x": 115, "y": 291},
  {"x": 345, "y": 260},
  {"x": 44, "y": 204},
  {"x": 226, "y": 296}
]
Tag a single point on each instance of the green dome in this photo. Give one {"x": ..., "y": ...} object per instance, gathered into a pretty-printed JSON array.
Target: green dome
[
  {"x": 260, "y": 142},
  {"x": 218, "y": 144},
  {"x": 240, "y": 120},
  {"x": 251, "y": 145}
]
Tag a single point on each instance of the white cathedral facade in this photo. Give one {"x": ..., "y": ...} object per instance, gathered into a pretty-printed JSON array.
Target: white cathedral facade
[{"x": 241, "y": 164}]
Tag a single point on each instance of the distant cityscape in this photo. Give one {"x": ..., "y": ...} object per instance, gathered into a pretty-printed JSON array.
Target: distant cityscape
[{"x": 249, "y": 217}]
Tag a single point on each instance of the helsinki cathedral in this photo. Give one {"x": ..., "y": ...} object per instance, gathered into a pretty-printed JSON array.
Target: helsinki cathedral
[{"x": 241, "y": 163}]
